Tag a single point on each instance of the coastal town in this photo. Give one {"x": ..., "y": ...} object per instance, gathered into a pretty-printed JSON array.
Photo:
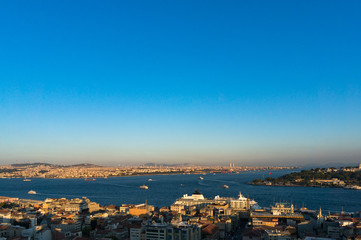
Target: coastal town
[
  {"x": 190, "y": 217},
  {"x": 90, "y": 171},
  {"x": 344, "y": 177}
]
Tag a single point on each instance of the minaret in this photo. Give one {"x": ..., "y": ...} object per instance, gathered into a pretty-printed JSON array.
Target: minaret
[
  {"x": 320, "y": 218},
  {"x": 319, "y": 215}
]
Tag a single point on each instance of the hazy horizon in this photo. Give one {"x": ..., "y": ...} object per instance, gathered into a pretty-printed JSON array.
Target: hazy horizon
[
  {"x": 214, "y": 164},
  {"x": 252, "y": 83}
]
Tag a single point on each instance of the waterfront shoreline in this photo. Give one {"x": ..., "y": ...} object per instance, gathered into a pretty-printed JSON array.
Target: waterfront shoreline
[
  {"x": 118, "y": 190},
  {"x": 281, "y": 185},
  {"x": 56, "y": 172}
]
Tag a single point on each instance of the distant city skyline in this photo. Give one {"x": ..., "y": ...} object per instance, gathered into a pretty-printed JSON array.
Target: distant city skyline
[{"x": 252, "y": 83}]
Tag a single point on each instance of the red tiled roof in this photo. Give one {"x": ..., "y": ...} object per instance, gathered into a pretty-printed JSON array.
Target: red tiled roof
[{"x": 210, "y": 229}]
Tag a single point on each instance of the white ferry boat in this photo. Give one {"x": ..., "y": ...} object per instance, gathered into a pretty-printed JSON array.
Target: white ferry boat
[
  {"x": 27, "y": 180},
  {"x": 225, "y": 186},
  {"x": 201, "y": 178},
  {"x": 31, "y": 192},
  {"x": 149, "y": 180},
  {"x": 143, "y": 187},
  {"x": 243, "y": 198}
]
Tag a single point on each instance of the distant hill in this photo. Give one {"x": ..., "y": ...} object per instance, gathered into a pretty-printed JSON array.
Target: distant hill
[
  {"x": 31, "y": 164},
  {"x": 86, "y": 165}
]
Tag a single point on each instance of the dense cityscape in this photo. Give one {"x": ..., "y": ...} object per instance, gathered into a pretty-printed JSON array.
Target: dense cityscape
[
  {"x": 90, "y": 171},
  {"x": 190, "y": 217}
]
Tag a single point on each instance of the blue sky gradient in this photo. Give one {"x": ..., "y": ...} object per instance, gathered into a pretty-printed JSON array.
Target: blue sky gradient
[{"x": 127, "y": 82}]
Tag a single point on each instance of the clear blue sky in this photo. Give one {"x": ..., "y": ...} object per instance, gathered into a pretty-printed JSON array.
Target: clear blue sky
[{"x": 126, "y": 82}]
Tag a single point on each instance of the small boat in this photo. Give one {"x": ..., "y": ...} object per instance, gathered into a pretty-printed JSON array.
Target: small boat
[
  {"x": 31, "y": 192},
  {"x": 225, "y": 186},
  {"x": 181, "y": 185},
  {"x": 149, "y": 180},
  {"x": 86, "y": 179},
  {"x": 27, "y": 180},
  {"x": 200, "y": 178},
  {"x": 143, "y": 187}
]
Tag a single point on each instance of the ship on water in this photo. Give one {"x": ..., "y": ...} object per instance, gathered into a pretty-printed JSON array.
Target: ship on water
[
  {"x": 143, "y": 186},
  {"x": 31, "y": 192},
  {"x": 27, "y": 180},
  {"x": 225, "y": 186},
  {"x": 201, "y": 178},
  {"x": 198, "y": 199},
  {"x": 252, "y": 202}
]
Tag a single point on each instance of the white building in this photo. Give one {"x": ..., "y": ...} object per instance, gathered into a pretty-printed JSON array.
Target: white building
[{"x": 282, "y": 208}]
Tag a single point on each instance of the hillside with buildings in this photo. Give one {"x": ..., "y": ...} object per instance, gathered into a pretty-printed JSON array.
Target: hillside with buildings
[{"x": 346, "y": 177}]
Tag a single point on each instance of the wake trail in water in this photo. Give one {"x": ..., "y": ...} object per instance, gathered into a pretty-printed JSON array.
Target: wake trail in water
[
  {"x": 116, "y": 185},
  {"x": 202, "y": 183},
  {"x": 223, "y": 181}
]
